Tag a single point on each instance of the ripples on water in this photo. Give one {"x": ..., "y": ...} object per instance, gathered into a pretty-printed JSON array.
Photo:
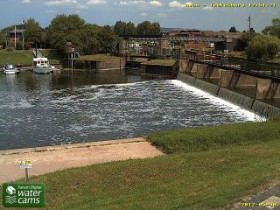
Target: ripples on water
[{"x": 103, "y": 112}]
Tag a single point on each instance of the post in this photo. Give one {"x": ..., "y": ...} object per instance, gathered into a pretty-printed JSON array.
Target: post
[
  {"x": 15, "y": 37},
  {"x": 26, "y": 175},
  {"x": 120, "y": 64}
]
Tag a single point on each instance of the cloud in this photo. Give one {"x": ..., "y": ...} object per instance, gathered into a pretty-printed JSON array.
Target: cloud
[
  {"x": 156, "y": 3},
  {"x": 26, "y": 1},
  {"x": 144, "y": 14},
  {"x": 97, "y": 2},
  {"x": 60, "y": 2},
  {"x": 176, "y": 4},
  {"x": 133, "y": 2}
]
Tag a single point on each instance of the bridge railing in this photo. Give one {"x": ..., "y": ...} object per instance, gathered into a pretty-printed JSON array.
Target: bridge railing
[{"x": 258, "y": 68}]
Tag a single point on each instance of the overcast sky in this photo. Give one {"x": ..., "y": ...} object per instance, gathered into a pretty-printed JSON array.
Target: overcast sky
[{"x": 168, "y": 13}]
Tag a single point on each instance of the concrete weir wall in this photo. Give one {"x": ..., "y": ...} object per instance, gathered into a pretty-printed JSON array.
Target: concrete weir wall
[{"x": 258, "y": 107}]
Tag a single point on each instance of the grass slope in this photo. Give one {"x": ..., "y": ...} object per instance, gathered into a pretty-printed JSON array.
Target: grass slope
[
  {"x": 184, "y": 181},
  {"x": 16, "y": 57},
  {"x": 208, "y": 179},
  {"x": 53, "y": 56},
  {"x": 205, "y": 138}
]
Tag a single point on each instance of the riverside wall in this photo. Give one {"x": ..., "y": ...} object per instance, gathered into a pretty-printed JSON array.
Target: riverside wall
[{"x": 194, "y": 74}]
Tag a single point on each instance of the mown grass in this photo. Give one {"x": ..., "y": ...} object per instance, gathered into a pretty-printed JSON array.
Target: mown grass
[
  {"x": 206, "y": 138},
  {"x": 54, "y": 56},
  {"x": 201, "y": 180},
  {"x": 96, "y": 57},
  {"x": 160, "y": 62},
  {"x": 216, "y": 167},
  {"x": 16, "y": 57}
]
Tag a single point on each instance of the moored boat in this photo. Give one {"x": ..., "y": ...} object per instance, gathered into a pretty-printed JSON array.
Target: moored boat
[
  {"x": 41, "y": 66},
  {"x": 10, "y": 69}
]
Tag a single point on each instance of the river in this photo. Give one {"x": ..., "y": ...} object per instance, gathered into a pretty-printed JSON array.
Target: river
[{"x": 78, "y": 106}]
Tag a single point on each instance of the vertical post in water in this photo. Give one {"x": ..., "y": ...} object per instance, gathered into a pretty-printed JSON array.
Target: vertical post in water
[
  {"x": 120, "y": 64},
  {"x": 26, "y": 175}
]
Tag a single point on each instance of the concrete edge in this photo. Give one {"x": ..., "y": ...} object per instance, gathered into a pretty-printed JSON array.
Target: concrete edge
[{"x": 72, "y": 146}]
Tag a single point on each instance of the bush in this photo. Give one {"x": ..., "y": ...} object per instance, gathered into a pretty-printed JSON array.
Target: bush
[{"x": 263, "y": 47}]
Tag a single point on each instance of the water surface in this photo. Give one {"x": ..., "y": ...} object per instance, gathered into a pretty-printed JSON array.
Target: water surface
[{"x": 71, "y": 107}]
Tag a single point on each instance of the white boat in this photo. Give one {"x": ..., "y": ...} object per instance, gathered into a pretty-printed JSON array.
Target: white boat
[
  {"x": 10, "y": 69},
  {"x": 41, "y": 66}
]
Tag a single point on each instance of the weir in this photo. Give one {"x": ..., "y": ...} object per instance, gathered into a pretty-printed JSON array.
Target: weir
[{"x": 256, "y": 106}]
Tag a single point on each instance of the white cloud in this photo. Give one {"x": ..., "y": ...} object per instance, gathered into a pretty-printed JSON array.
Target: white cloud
[
  {"x": 97, "y": 2},
  {"x": 156, "y": 3},
  {"x": 81, "y": 7},
  {"x": 176, "y": 4},
  {"x": 60, "y": 2},
  {"x": 26, "y": 1},
  {"x": 133, "y": 2},
  {"x": 144, "y": 14}
]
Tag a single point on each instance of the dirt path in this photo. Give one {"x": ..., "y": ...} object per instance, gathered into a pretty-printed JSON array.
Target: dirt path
[{"x": 49, "y": 159}]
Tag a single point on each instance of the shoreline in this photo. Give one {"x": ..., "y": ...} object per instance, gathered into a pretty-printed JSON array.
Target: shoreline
[
  {"x": 70, "y": 146},
  {"x": 55, "y": 158}
]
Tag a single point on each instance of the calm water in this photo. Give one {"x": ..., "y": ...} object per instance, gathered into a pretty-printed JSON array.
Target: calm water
[{"x": 39, "y": 110}]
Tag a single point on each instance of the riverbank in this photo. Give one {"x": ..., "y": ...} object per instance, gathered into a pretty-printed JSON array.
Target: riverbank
[
  {"x": 216, "y": 177},
  {"x": 53, "y": 158}
]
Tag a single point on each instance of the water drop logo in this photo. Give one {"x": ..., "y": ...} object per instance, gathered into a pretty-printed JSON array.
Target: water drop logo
[{"x": 11, "y": 191}]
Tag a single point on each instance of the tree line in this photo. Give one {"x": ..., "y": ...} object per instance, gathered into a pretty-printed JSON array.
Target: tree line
[{"x": 86, "y": 38}]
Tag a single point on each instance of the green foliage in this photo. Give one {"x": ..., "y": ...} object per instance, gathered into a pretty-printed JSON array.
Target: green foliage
[
  {"x": 263, "y": 47},
  {"x": 65, "y": 28},
  {"x": 123, "y": 28},
  {"x": 148, "y": 28},
  {"x": 120, "y": 28},
  {"x": 274, "y": 29},
  {"x": 33, "y": 31},
  {"x": 2, "y": 39},
  {"x": 87, "y": 38},
  {"x": 232, "y": 29},
  {"x": 106, "y": 39},
  {"x": 130, "y": 28},
  {"x": 206, "y": 138}
]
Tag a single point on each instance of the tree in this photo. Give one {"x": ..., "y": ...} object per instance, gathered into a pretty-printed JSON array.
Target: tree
[
  {"x": 120, "y": 28},
  {"x": 263, "y": 47},
  {"x": 274, "y": 29},
  {"x": 106, "y": 38},
  {"x": 2, "y": 40},
  {"x": 130, "y": 29},
  {"x": 148, "y": 28},
  {"x": 33, "y": 32},
  {"x": 65, "y": 28},
  {"x": 232, "y": 29},
  {"x": 89, "y": 39}
]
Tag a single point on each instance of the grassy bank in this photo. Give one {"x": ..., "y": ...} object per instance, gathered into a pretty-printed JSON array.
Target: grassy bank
[
  {"x": 195, "y": 180},
  {"x": 16, "y": 57},
  {"x": 97, "y": 57},
  {"x": 205, "y": 138},
  {"x": 53, "y": 56},
  {"x": 214, "y": 178}
]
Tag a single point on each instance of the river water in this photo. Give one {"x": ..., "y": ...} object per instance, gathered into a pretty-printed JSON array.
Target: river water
[{"x": 75, "y": 107}]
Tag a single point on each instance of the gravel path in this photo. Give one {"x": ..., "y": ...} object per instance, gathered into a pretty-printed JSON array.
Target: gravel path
[{"x": 49, "y": 159}]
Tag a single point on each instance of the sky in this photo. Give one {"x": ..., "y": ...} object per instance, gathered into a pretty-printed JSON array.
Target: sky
[{"x": 168, "y": 13}]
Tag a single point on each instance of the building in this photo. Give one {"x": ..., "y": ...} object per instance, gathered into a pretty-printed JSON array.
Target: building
[{"x": 172, "y": 43}]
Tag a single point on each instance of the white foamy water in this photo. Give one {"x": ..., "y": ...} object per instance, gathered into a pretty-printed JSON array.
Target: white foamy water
[{"x": 102, "y": 112}]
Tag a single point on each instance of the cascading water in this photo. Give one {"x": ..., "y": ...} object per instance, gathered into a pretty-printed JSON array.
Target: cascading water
[{"x": 46, "y": 115}]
